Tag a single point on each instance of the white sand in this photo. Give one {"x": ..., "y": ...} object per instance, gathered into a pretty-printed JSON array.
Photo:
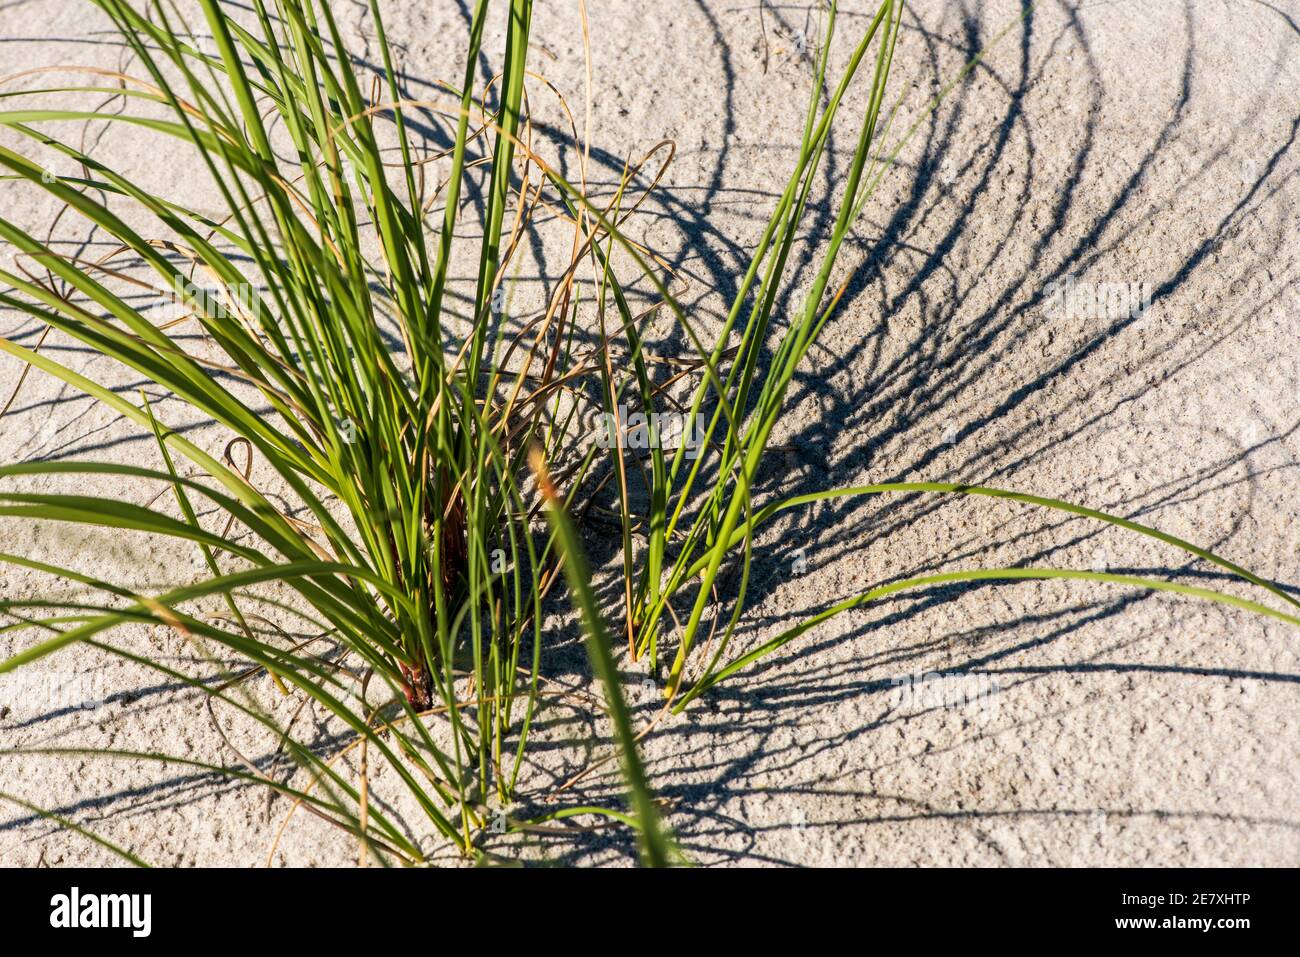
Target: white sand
[{"x": 1134, "y": 142}]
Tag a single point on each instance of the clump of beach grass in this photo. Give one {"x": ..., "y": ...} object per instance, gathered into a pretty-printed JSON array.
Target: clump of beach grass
[{"x": 420, "y": 472}]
